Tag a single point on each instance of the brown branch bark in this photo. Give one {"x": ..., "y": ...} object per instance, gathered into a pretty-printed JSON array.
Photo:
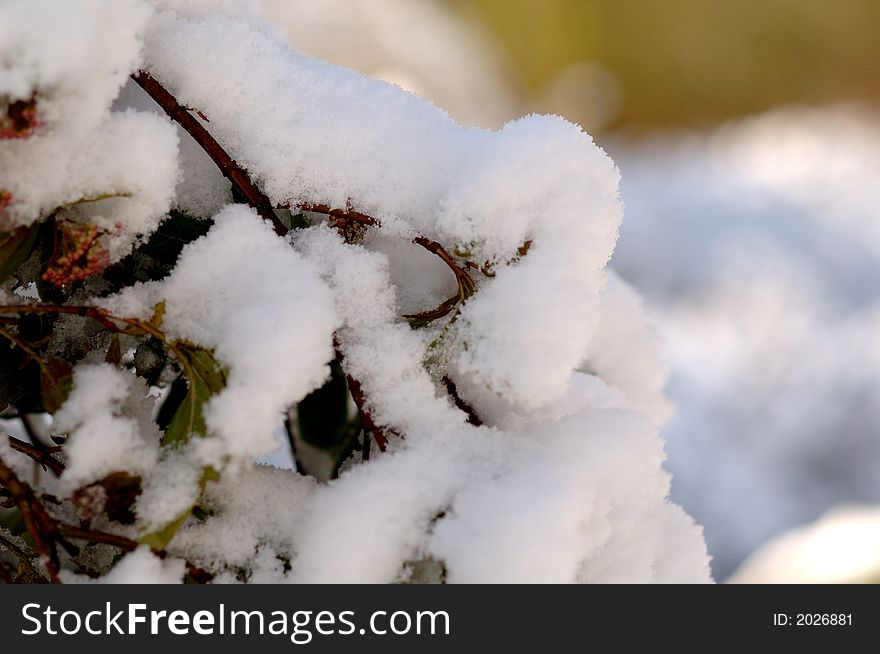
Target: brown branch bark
[
  {"x": 24, "y": 558},
  {"x": 43, "y": 456},
  {"x": 372, "y": 431},
  {"x": 36, "y": 519},
  {"x": 347, "y": 214},
  {"x": 241, "y": 182},
  {"x": 470, "y": 412},
  {"x": 95, "y": 313},
  {"x": 466, "y": 286},
  {"x": 47, "y": 531}
]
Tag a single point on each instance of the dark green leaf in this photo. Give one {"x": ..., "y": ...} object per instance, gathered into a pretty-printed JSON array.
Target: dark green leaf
[
  {"x": 15, "y": 248},
  {"x": 205, "y": 378}
]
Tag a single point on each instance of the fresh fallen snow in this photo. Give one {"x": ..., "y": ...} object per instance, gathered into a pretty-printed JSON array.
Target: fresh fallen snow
[
  {"x": 758, "y": 250},
  {"x": 104, "y": 435},
  {"x": 138, "y": 567},
  {"x": 563, "y": 483},
  {"x": 73, "y": 58},
  {"x": 267, "y": 316}
]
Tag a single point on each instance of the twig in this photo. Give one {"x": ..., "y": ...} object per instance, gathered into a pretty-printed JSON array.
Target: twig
[
  {"x": 452, "y": 390},
  {"x": 46, "y": 530},
  {"x": 371, "y": 429},
  {"x": 95, "y": 313},
  {"x": 466, "y": 286},
  {"x": 348, "y": 214},
  {"x": 461, "y": 275},
  {"x": 24, "y": 558},
  {"x": 36, "y": 519},
  {"x": 43, "y": 456},
  {"x": 92, "y": 536},
  {"x": 241, "y": 182}
]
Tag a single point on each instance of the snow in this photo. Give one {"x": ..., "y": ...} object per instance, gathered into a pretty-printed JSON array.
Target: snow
[
  {"x": 73, "y": 59},
  {"x": 267, "y": 316},
  {"x": 756, "y": 246},
  {"x": 104, "y": 435},
  {"x": 564, "y": 481},
  {"x": 411, "y": 167},
  {"x": 462, "y": 494},
  {"x": 138, "y": 567}
]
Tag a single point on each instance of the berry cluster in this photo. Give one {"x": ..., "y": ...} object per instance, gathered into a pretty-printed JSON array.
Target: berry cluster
[{"x": 81, "y": 255}]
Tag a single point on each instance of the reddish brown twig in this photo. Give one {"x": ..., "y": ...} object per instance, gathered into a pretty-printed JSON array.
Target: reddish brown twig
[
  {"x": 95, "y": 313},
  {"x": 469, "y": 411},
  {"x": 93, "y": 536},
  {"x": 43, "y": 456},
  {"x": 466, "y": 286},
  {"x": 348, "y": 214},
  {"x": 36, "y": 519},
  {"x": 461, "y": 275},
  {"x": 371, "y": 429},
  {"x": 47, "y": 531},
  {"x": 241, "y": 182}
]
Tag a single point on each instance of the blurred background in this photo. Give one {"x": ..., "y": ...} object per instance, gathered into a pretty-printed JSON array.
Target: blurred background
[{"x": 748, "y": 137}]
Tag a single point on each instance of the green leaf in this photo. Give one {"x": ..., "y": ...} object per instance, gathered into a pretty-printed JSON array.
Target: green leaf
[
  {"x": 15, "y": 248},
  {"x": 158, "y": 314},
  {"x": 205, "y": 377},
  {"x": 159, "y": 539}
]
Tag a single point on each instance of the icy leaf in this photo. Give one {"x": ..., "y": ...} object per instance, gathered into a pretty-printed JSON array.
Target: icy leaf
[
  {"x": 205, "y": 377},
  {"x": 160, "y": 538}
]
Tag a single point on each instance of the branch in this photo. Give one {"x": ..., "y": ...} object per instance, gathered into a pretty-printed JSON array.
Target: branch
[
  {"x": 346, "y": 215},
  {"x": 452, "y": 390},
  {"x": 47, "y": 531},
  {"x": 461, "y": 275},
  {"x": 25, "y": 559},
  {"x": 241, "y": 182},
  {"x": 43, "y": 456},
  {"x": 371, "y": 429},
  {"x": 36, "y": 519},
  {"x": 466, "y": 286},
  {"x": 95, "y": 313}
]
